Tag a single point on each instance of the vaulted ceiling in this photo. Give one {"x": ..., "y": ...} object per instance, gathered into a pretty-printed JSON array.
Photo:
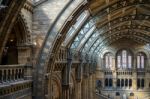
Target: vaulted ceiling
[{"x": 113, "y": 20}]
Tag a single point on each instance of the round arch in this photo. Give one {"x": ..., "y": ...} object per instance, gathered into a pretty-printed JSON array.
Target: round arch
[
  {"x": 54, "y": 87},
  {"x": 53, "y": 40}
]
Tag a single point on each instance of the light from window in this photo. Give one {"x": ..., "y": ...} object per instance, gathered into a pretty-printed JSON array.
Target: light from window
[
  {"x": 129, "y": 61},
  {"x": 119, "y": 61},
  {"x": 124, "y": 59},
  {"x": 108, "y": 60},
  {"x": 140, "y": 61}
]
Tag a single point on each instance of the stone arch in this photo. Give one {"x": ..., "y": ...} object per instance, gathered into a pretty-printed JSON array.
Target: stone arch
[
  {"x": 54, "y": 87},
  {"x": 53, "y": 40},
  {"x": 144, "y": 51},
  {"x": 22, "y": 20},
  {"x": 111, "y": 60},
  {"x": 127, "y": 49},
  {"x": 18, "y": 40},
  {"x": 108, "y": 51},
  {"x": 146, "y": 56}
]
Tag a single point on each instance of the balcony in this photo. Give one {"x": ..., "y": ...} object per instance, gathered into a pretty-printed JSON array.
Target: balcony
[
  {"x": 15, "y": 79},
  {"x": 13, "y": 73}
]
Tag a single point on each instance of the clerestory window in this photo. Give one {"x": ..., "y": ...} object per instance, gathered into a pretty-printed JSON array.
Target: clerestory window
[
  {"x": 140, "y": 61},
  {"x": 108, "y": 60},
  {"x": 124, "y": 59}
]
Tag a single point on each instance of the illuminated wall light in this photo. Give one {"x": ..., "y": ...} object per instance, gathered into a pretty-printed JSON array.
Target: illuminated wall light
[{"x": 11, "y": 40}]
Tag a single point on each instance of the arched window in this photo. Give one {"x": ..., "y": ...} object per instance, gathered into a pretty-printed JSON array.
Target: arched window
[
  {"x": 130, "y": 82},
  {"x": 106, "y": 82},
  {"x": 126, "y": 82},
  {"x": 122, "y": 82},
  {"x": 140, "y": 61},
  {"x": 110, "y": 82},
  {"x": 142, "y": 83},
  {"x": 124, "y": 59},
  {"x": 108, "y": 60},
  {"x": 118, "y": 82},
  {"x": 138, "y": 83}
]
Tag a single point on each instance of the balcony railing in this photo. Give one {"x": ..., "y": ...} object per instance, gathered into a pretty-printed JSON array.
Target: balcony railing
[{"x": 12, "y": 73}]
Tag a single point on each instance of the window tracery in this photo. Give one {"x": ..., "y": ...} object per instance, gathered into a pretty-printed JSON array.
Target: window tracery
[
  {"x": 108, "y": 60},
  {"x": 140, "y": 61},
  {"x": 124, "y": 59}
]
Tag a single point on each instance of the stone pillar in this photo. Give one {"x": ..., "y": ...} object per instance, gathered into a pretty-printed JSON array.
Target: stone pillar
[
  {"x": 134, "y": 79},
  {"x": 147, "y": 80},
  {"x": 114, "y": 80},
  {"x": 92, "y": 86},
  {"x": 79, "y": 74},
  {"x": 66, "y": 76},
  {"x": 78, "y": 89},
  {"x": 87, "y": 88},
  {"x": 83, "y": 93}
]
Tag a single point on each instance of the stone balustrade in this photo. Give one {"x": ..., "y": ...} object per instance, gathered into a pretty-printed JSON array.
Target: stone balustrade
[{"x": 12, "y": 73}]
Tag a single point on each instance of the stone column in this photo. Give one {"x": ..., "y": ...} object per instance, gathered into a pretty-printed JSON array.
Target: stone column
[
  {"x": 79, "y": 74},
  {"x": 87, "y": 87},
  {"x": 93, "y": 86},
  {"x": 147, "y": 80},
  {"x": 114, "y": 69},
  {"x": 83, "y": 93},
  {"x": 78, "y": 89},
  {"x": 66, "y": 75},
  {"x": 134, "y": 79}
]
